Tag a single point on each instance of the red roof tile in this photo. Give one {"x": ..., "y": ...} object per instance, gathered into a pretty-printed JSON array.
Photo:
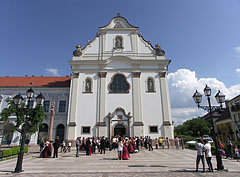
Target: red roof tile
[{"x": 36, "y": 81}]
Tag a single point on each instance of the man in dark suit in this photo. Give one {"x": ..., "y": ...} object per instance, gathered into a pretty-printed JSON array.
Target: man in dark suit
[
  {"x": 87, "y": 146},
  {"x": 56, "y": 145},
  {"x": 102, "y": 145}
]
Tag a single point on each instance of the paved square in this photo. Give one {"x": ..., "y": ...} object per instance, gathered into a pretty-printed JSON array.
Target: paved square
[{"x": 166, "y": 162}]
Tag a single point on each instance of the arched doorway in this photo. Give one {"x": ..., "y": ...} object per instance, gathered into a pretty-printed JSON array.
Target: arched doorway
[
  {"x": 43, "y": 132},
  {"x": 120, "y": 129},
  {"x": 60, "y": 132}
]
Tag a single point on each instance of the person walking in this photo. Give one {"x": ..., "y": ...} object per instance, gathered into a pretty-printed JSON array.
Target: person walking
[
  {"x": 77, "y": 146},
  {"x": 199, "y": 147},
  {"x": 156, "y": 142},
  {"x": 56, "y": 145},
  {"x": 120, "y": 149},
  {"x": 102, "y": 145},
  {"x": 177, "y": 143},
  {"x": 208, "y": 155},
  {"x": 150, "y": 144}
]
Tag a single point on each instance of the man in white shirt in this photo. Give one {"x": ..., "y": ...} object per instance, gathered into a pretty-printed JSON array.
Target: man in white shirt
[
  {"x": 208, "y": 155},
  {"x": 199, "y": 147}
]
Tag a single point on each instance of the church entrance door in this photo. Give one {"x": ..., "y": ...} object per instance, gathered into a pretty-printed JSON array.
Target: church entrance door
[{"x": 120, "y": 130}]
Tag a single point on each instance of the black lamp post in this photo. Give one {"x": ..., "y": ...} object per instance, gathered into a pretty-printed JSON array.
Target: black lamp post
[
  {"x": 220, "y": 99},
  {"x": 18, "y": 99}
]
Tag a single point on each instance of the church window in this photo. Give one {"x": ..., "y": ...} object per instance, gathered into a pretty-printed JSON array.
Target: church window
[
  {"x": 150, "y": 85},
  {"x": 62, "y": 106},
  {"x": 119, "y": 84},
  {"x": 118, "y": 42},
  {"x": 86, "y": 130},
  {"x": 46, "y": 105},
  {"x": 153, "y": 129},
  {"x": 88, "y": 85}
]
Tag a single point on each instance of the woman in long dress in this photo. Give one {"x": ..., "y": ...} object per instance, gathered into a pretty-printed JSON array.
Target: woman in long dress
[{"x": 126, "y": 155}]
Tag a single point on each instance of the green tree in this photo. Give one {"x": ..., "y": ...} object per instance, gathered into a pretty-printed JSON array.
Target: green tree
[
  {"x": 194, "y": 127},
  {"x": 27, "y": 122}
]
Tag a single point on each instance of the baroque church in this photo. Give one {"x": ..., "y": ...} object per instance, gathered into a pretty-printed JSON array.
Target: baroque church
[{"x": 118, "y": 87}]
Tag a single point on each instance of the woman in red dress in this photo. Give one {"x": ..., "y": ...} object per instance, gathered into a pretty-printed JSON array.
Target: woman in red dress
[{"x": 126, "y": 155}]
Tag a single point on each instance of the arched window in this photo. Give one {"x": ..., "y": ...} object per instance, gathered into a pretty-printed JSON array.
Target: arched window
[
  {"x": 150, "y": 85},
  {"x": 118, "y": 42},
  {"x": 119, "y": 84},
  {"x": 88, "y": 85}
]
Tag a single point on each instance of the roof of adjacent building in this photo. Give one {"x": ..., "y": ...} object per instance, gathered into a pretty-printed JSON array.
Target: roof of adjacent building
[{"x": 35, "y": 81}]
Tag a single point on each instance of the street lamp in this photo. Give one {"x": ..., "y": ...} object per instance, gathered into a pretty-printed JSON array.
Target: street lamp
[
  {"x": 18, "y": 99},
  {"x": 220, "y": 97}
]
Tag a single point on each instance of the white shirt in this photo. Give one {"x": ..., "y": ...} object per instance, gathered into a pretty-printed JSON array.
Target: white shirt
[
  {"x": 120, "y": 146},
  {"x": 208, "y": 149},
  {"x": 199, "y": 147}
]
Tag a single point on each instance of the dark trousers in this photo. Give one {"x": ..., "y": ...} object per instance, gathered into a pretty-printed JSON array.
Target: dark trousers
[
  {"x": 150, "y": 147},
  {"x": 102, "y": 150},
  {"x": 55, "y": 153},
  {"x": 209, "y": 162},
  {"x": 77, "y": 151},
  {"x": 156, "y": 146}
]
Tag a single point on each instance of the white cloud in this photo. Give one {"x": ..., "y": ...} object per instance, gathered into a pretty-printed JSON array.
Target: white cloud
[
  {"x": 53, "y": 71},
  {"x": 237, "y": 49},
  {"x": 238, "y": 70},
  {"x": 182, "y": 85}
]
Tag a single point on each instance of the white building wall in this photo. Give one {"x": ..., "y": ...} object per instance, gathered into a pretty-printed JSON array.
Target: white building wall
[
  {"x": 87, "y": 105},
  {"x": 151, "y": 105}
]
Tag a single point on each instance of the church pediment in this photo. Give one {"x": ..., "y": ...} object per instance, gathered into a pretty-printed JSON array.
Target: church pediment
[{"x": 118, "y": 23}]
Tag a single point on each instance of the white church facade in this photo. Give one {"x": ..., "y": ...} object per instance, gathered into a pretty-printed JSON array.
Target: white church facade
[{"x": 119, "y": 86}]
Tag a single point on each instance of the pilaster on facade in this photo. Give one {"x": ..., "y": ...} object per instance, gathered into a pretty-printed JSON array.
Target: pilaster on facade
[
  {"x": 166, "y": 110},
  {"x": 101, "y": 125},
  {"x": 137, "y": 104},
  {"x": 73, "y": 107}
]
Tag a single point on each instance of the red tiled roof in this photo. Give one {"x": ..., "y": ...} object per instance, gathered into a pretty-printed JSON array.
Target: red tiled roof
[{"x": 36, "y": 81}]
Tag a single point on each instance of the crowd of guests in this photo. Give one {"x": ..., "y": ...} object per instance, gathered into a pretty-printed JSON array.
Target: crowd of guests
[{"x": 91, "y": 145}]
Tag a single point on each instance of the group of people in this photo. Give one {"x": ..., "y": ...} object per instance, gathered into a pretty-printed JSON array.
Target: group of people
[{"x": 204, "y": 150}]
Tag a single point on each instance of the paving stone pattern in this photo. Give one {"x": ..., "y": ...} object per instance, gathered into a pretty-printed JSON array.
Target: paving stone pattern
[{"x": 163, "y": 162}]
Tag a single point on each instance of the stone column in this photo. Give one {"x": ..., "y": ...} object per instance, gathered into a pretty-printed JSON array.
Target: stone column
[
  {"x": 101, "y": 124},
  {"x": 51, "y": 120},
  {"x": 137, "y": 105},
  {"x": 71, "y": 134},
  {"x": 166, "y": 109}
]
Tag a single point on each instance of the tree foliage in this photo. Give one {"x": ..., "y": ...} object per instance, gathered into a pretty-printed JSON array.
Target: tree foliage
[
  {"x": 30, "y": 119},
  {"x": 194, "y": 127}
]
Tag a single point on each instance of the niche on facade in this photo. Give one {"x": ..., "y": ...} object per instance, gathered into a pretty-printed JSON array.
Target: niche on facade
[
  {"x": 119, "y": 84},
  {"x": 118, "y": 42},
  {"x": 151, "y": 85},
  {"x": 88, "y": 85}
]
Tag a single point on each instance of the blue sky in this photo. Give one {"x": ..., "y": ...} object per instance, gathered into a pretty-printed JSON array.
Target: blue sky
[{"x": 200, "y": 36}]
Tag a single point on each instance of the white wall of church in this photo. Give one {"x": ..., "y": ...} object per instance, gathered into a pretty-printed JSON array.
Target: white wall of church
[
  {"x": 86, "y": 105},
  {"x": 151, "y": 105}
]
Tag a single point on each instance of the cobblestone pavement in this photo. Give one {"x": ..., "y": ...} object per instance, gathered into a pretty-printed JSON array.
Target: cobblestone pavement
[{"x": 166, "y": 162}]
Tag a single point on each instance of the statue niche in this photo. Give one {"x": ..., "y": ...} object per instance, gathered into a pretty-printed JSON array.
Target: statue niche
[{"x": 118, "y": 42}]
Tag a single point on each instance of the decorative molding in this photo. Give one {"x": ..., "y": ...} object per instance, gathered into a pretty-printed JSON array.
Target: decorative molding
[
  {"x": 101, "y": 124},
  {"x": 75, "y": 75},
  {"x": 162, "y": 74},
  {"x": 119, "y": 109},
  {"x": 138, "y": 124},
  {"x": 102, "y": 74},
  {"x": 136, "y": 74},
  {"x": 167, "y": 123},
  {"x": 72, "y": 124}
]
